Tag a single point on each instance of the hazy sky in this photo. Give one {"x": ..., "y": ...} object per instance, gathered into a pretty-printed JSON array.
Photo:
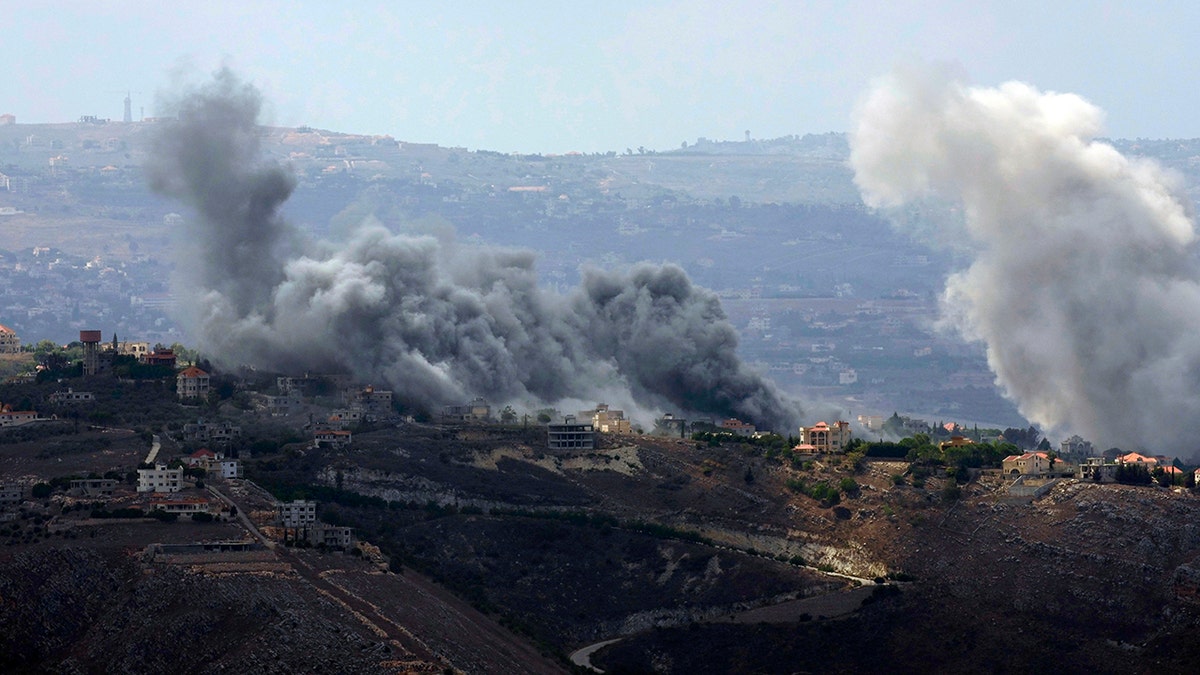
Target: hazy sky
[{"x": 562, "y": 76}]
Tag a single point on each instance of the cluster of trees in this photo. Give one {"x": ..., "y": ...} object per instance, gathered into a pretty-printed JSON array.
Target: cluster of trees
[
  {"x": 899, "y": 426},
  {"x": 826, "y": 492},
  {"x": 1140, "y": 474}
]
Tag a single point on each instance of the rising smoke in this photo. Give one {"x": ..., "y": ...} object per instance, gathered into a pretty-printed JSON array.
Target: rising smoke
[
  {"x": 436, "y": 320},
  {"x": 1083, "y": 285}
]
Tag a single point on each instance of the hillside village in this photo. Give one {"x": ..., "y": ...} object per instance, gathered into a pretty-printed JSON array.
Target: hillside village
[
  {"x": 307, "y": 521},
  {"x": 233, "y": 475}
]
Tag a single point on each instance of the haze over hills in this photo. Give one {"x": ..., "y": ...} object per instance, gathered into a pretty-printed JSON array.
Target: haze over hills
[
  {"x": 826, "y": 296},
  {"x": 347, "y": 294}
]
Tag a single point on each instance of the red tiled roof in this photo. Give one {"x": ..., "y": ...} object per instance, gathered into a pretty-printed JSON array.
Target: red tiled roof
[{"x": 192, "y": 371}]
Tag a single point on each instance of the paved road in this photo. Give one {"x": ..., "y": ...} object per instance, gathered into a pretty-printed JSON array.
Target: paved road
[
  {"x": 826, "y": 606},
  {"x": 241, "y": 516},
  {"x": 154, "y": 446}
]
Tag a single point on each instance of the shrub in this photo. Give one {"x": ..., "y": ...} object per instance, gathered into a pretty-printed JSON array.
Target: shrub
[{"x": 848, "y": 486}]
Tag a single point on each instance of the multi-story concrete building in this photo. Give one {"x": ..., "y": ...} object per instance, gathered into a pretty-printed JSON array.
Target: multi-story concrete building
[
  {"x": 1097, "y": 469},
  {"x": 570, "y": 434},
  {"x": 230, "y": 468},
  {"x": 375, "y": 403},
  {"x": 477, "y": 410},
  {"x": 298, "y": 513},
  {"x": 160, "y": 479},
  {"x": 9, "y": 342},
  {"x": 192, "y": 383},
  {"x": 94, "y": 487},
  {"x": 211, "y": 431}
]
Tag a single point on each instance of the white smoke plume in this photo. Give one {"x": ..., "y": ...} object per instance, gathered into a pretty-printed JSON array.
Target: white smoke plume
[
  {"x": 436, "y": 320},
  {"x": 1083, "y": 286}
]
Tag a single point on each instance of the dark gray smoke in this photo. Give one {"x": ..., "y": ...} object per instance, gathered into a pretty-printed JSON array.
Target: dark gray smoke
[
  {"x": 437, "y": 320},
  {"x": 1084, "y": 285}
]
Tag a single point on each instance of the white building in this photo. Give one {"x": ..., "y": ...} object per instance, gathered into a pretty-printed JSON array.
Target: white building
[
  {"x": 231, "y": 468},
  {"x": 160, "y": 479},
  {"x": 72, "y": 396},
  {"x": 298, "y": 513}
]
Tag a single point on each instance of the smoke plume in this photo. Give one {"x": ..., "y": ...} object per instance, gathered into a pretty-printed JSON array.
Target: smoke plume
[
  {"x": 1083, "y": 285},
  {"x": 437, "y": 320}
]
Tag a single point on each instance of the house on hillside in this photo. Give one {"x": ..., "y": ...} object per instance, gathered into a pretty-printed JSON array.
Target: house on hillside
[
  {"x": 229, "y": 469},
  {"x": 1139, "y": 459},
  {"x": 211, "y": 432},
  {"x": 297, "y": 513},
  {"x": 72, "y": 396},
  {"x": 202, "y": 458},
  {"x": 606, "y": 420},
  {"x": 1034, "y": 464},
  {"x": 1097, "y": 469},
  {"x": 15, "y": 418},
  {"x": 477, "y": 410},
  {"x": 192, "y": 383},
  {"x": 376, "y": 404},
  {"x": 955, "y": 442},
  {"x": 9, "y": 342},
  {"x": 185, "y": 505},
  {"x": 1076, "y": 448},
  {"x": 162, "y": 357},
  {"x": 824, "y": 438},
  {"x": 738, "y": 427},
  {"x": 332, "y": 438},
  {"x": 571, "y": 434},
  {"x": 160, "y": 479},
  {"x": 93, "y": 487}
]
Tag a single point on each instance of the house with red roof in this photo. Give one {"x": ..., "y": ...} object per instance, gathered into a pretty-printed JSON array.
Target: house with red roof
[
  {"x": 1031, "y": 464},
  {"x": 1138, "y": 458},
  {"x": 192, "y": 382},
  {"x": 203, "y": 458},
  {"x": 332, "y": 438},
  {"x": 821, "y": 437}
]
